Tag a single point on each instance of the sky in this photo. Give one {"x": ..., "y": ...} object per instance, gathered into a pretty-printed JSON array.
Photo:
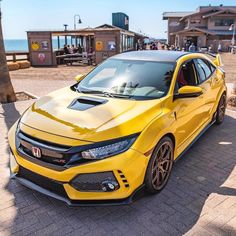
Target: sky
[{"x": 145, "y": 16}]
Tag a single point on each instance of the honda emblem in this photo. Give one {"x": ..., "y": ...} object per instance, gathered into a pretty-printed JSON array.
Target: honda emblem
[{"x": 36, "y": 152}]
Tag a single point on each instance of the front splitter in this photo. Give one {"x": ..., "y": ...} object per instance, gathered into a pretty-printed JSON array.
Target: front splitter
[{"x": 138, "y": 193}]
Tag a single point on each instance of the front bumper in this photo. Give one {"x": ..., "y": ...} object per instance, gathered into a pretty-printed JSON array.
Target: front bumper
[
  {"x": 131, "y": 164},
  {"x": 134, "y": 196}
]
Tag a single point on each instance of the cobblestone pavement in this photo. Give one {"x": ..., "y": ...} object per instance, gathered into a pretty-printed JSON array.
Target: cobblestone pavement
[{"x": 199, "y": 199}]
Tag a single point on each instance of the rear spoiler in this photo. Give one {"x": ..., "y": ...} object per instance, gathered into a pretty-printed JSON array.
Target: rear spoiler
[{"x": 217, "y": 61}]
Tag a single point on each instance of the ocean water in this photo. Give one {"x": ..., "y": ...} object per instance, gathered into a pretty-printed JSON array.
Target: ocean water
[
  {"x": 16, "y": 45},
  {"x": 22, "y": 44}
]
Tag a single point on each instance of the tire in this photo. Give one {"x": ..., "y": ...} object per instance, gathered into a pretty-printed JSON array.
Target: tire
[
  {"x": 159, "y": 166},
  {"x": 220, "y": 112}
]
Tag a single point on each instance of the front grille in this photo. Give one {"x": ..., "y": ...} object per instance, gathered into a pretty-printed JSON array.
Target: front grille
[
  {"x": 50, "y": 153},
  {"x": 43, "y": 182}
]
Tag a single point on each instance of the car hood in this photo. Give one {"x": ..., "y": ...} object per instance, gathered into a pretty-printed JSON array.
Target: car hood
[{"x": 106, "y": 118}]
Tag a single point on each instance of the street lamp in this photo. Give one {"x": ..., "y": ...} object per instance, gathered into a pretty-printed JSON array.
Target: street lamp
[
  {"x": 79, "y": 21},
  {"x": 65, "y": 27},
  {"x": 232, "y": 27}
]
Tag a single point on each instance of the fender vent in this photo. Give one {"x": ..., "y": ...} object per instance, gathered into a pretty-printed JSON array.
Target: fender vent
[{"x": 123, "y": 178}]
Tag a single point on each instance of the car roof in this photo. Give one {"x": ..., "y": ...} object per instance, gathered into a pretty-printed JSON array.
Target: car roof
[{"x": 151, "y": 55}]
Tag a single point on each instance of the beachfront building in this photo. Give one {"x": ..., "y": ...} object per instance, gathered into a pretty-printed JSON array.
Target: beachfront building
[
  {"x": 208, "y": 26},
  {"x": 97, "y": 44}
]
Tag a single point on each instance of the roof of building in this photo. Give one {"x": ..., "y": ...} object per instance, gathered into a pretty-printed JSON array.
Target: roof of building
[
  {"x": 159, "y": 55},
  {"x": 108, "y": 26},
  {"x": 89, "y": 30},
  {"x": 214, "y": 13},
  {"x": 178, "y": 14},
  {"x": 204, "y": 30},
  {"x": 201, "y": 10},
  {"x": 220, "y": 32}
]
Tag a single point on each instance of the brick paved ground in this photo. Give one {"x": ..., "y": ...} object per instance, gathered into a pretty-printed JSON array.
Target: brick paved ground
[{"x": 199, "y": 199}]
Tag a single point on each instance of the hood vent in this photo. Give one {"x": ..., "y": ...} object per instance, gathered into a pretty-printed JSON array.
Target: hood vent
[{"x": 84, "y": 103}]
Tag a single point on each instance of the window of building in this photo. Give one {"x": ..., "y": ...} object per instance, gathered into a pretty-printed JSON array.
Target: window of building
[
  {"x": 130, "y": 42},
  {"x": 224, "y": 22},
  {"x": 195, "y": 21}
]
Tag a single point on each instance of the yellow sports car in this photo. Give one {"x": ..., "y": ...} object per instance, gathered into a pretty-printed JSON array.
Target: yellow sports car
[{"x": 118, "y": 129}]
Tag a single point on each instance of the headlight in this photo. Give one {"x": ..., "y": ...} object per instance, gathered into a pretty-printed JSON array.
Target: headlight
[{"x": 108, "y": 150}]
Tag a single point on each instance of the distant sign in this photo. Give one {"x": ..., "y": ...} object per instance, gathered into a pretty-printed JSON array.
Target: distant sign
[
  {"x": 111, "y": 45},
  {"x": 104, "y": 55},
  {"x": 42, "y": 57},
  {"x": 99, "y": 46},
  {"x": 44, "y": 44},
  {"x": 126, "y": 20},
  {"x": 35, "y": 45}
]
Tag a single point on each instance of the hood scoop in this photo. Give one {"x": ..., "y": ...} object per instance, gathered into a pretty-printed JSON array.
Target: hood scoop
[{"x": 84, "y": 103}]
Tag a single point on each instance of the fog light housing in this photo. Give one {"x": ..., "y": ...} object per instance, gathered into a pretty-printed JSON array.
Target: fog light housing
[{"x": 95, "y": 182}]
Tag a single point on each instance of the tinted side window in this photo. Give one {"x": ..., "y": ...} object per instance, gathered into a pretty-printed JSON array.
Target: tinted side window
[
  {"x": 204, "y": 71},
  {"x": 186, "y": 75},
  {"x": 213, "y": 68}
]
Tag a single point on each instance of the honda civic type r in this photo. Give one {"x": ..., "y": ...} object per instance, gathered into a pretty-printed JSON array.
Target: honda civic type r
[{"x": 118, "y": 129}]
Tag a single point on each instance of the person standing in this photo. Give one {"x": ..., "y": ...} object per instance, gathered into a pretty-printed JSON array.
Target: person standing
[
  {"x": 219, "y": 48},
  {"x": 66, "y": 50},
  {"x": 192, "y": 48},
  {"x": 70, "y": 49}
]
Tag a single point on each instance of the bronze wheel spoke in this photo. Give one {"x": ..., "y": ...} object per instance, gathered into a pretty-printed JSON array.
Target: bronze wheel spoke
[
  {"x": 154, "y": 168},
  {"x": 155, "y": 178},
  {"x": 162, "y": 171},
  {"x": 163, "y": 150},
  {"x": 161, "y": 166}
]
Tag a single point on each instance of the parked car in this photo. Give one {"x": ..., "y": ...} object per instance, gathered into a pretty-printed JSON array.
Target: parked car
[{"x": 120, "y": 128}]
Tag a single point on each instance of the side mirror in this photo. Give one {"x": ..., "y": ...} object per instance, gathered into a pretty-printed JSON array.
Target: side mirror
[
  {"x": 188, "y": 92},
  {"x": 79, "y": 77}
]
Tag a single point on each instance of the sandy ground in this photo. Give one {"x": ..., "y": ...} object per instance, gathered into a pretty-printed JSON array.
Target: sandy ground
[{"x": 30, "y": 79}]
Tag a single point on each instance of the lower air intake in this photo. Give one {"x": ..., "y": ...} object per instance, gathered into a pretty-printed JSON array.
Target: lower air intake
[{"x": 95, "y": 182}]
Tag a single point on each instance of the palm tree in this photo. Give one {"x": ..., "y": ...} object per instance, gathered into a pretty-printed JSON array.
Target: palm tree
[{"x": 7, "y": 93}]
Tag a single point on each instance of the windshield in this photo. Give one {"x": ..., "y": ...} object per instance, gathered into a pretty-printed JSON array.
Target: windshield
[{"x": 129, "y": 79}]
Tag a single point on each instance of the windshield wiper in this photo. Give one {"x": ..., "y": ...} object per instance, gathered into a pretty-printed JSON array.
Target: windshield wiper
[
  {"x": 89, "y": 91},
  {"x": 121, "y": 96},
  {"x": 104, "y": 93}
]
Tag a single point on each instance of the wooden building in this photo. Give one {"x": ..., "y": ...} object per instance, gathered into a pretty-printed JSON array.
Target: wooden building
[
  {"x": 208, "y": 26},
  {"x": 98, "y": 43}
]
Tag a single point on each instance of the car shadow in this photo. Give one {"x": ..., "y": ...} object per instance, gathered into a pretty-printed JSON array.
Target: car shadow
[
  {"x": 10, "y": 114},
  {"x": 196, "y": 178}
]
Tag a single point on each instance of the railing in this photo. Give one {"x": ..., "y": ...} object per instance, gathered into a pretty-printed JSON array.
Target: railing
[{"x": 17, "y": 56}]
